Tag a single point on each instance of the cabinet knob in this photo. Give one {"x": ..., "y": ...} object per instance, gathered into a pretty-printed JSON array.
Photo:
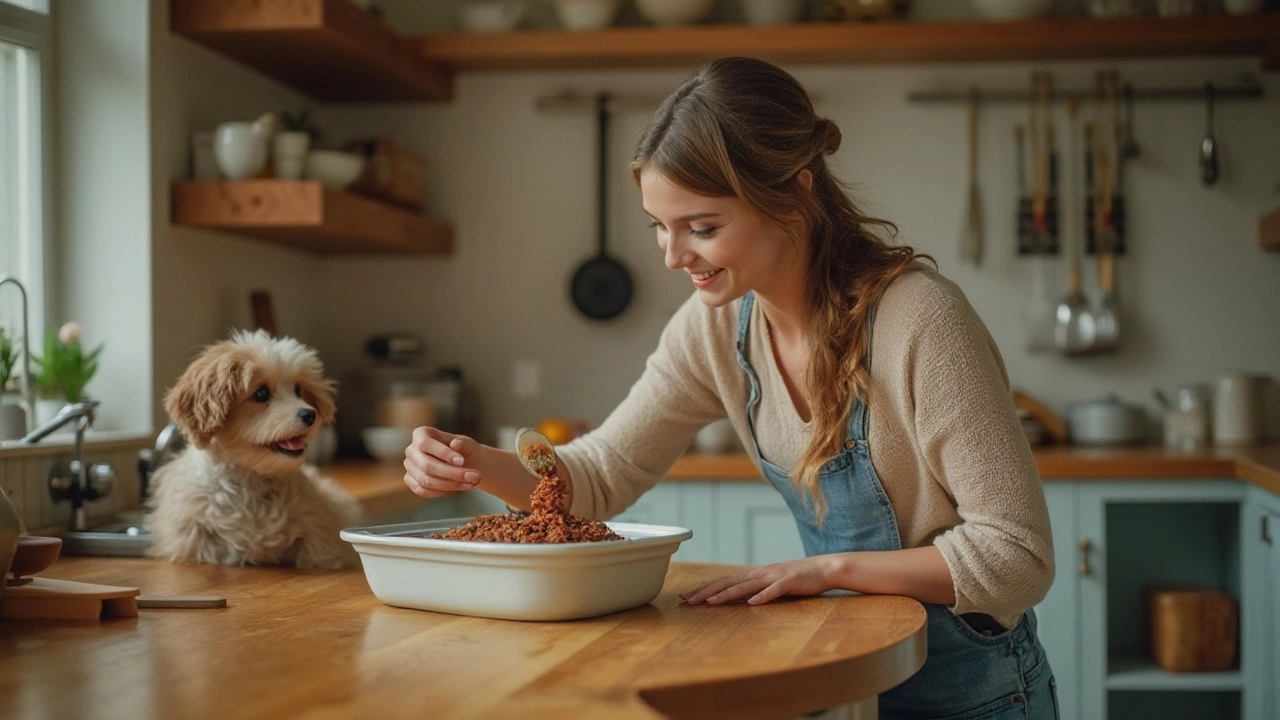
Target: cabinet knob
[{"x": 1085, "y": 546}]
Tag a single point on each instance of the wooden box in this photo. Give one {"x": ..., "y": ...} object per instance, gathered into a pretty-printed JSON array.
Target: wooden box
[
  {"x": 1192, "y": 629},
  {"x": 392, "y": 172}
]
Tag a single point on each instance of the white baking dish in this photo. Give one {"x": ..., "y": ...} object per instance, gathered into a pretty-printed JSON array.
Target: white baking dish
[{"x": 514, "y": 581}]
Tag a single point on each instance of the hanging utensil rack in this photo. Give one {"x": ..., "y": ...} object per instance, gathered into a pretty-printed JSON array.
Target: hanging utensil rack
[{"x": 1247, "y": 89}]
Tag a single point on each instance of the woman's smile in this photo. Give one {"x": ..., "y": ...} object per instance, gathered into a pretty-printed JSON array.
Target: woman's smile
[{"x": 703, "y": 279}]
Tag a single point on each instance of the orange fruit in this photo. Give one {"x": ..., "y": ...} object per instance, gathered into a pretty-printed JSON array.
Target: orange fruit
[{"x": 556, "y": 430}]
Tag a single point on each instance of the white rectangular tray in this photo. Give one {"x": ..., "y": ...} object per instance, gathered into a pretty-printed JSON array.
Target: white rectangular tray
[{"x": 515, "y": 581}]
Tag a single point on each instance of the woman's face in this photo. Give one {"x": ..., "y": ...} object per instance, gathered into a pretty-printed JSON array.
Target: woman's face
[{"x": 726, "y": 248}]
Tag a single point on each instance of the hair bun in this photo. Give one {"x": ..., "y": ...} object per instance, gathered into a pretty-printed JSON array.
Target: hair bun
[{"x": 828, "y": 135}]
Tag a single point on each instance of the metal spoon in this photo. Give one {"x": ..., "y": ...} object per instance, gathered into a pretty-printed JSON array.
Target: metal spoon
[
  {"x": 536, "y": 453},
  {"x": 1074, "y": 329},
  {"x": 1208, "y": 146}
]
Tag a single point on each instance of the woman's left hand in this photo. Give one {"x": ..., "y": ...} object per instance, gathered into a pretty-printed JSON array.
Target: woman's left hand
[{"x": 760, "y": 585}]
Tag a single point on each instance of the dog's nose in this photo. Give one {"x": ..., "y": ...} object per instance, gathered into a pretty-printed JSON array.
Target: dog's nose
[{"x": 308, "y": 416}]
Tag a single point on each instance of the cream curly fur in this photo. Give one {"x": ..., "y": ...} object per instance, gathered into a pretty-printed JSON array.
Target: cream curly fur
[{"x": 240, "y": 494}]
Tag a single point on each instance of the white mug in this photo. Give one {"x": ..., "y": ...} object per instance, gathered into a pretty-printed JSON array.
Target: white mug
[
  {"x": 1237, "y": 409},
  {"x": 241, "y": 150},
  {"x": 289, "y": 154}
]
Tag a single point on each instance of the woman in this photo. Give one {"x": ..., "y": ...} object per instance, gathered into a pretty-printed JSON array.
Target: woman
[{"x": 908, "y": 475}]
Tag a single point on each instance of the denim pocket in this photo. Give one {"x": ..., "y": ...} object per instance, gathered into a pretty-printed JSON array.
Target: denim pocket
[{"x": 965, "y": 629}]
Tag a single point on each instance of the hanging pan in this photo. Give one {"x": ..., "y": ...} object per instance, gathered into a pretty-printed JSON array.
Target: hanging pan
[{"x": 601, "y": 287}]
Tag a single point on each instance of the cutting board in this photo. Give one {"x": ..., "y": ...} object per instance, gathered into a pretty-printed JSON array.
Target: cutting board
[{"x": 49, "y": 599}]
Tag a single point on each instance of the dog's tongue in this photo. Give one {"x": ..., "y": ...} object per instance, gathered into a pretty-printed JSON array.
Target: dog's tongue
[{"x": 293, "y": 444}]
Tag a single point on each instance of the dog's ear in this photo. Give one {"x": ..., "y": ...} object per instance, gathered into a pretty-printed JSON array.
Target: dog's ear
[
  {"x": 203, "y": 397},
  {"x": 317, "y": 391}
]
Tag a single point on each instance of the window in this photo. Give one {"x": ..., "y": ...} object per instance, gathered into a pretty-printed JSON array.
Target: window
[{"x": 25, "y": 53}]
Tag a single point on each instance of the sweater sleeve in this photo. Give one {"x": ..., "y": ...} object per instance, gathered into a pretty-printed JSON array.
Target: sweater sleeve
[
  {"x": 1001, "y": 553},
  {"x": 642, "y": 438}
]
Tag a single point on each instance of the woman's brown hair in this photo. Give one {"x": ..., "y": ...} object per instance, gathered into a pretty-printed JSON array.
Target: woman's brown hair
[{"x": 744, "y": 128}]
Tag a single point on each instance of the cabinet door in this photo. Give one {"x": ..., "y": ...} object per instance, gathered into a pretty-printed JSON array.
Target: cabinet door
[
  {"x": 1059, "y": 613},
  {"x": 1271, "y": 688},
  {"x": 1260, "y": 606},
  {"x": 756, "y": 526},
  {"x": 683, "y": 504}
]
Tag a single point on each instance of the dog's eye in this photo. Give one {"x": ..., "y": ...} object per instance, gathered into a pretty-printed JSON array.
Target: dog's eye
[
  {"x": 297, "y": 390},
  {"x": 262, "y": 394}
]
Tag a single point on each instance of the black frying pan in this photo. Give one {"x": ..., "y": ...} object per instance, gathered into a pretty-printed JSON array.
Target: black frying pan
[{"x": 601, "y": 287}]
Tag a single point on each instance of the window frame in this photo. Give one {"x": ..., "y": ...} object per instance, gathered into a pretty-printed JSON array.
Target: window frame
[{"x": 34, "y": 30}]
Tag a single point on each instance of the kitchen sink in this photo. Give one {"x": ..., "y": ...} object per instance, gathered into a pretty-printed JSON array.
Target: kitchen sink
[{"x": 125, "y": 536}]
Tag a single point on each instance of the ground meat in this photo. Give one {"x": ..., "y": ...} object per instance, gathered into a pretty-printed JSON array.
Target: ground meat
[{"x": 550, "y": 521}]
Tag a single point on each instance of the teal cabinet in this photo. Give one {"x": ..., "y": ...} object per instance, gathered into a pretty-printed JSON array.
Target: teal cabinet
[
  {"x": 742, "y": 522},
  {"x": 756, "y": 526},
  {"x": 1260, "y": 632},
  {"x": 1115, "y": 539},
  {"x": 1058, "y": 615},
  {"x": 683, "y": 504}
]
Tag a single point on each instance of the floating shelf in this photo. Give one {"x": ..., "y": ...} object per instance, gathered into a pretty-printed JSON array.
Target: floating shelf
[
  {"x": 1137, "y": 673},
  {"x": 329, "y": 49},
  {"x": 887, "y": 42},
  {"x": 1269, "y": 230},
  {"x": 303, "y": 214}
]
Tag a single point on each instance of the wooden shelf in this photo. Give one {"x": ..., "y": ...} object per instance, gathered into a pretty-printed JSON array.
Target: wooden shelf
[
  {"x": 329, "y": 49},
  {"x": 303, "y": 214},
  {"x": 1048, "y": 39},
  {"x": 1141, "y": 674},
  {"x": 1269, "y": 230}
]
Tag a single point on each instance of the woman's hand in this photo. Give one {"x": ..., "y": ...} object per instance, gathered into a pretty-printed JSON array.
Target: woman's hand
[
  {"x": 809, "y": 576},
  {"x": 438, "y": 463}
]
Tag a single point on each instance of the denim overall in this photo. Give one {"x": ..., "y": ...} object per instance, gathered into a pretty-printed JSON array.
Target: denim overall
[{"x": 975, "y": 668}]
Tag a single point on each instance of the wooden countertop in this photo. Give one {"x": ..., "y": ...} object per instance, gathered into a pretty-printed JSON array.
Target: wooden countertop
[
  {"x": 1258, "y": 464},
  {"x": 312, "y": 644},
  {"x": 380, "y": 487}
]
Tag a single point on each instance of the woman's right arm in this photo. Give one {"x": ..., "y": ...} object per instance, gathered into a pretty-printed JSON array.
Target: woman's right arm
[{"x": 438, "y": 463}]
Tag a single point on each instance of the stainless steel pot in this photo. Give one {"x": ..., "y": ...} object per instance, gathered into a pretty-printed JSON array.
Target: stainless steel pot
[{"x": 1108, "y": 421}]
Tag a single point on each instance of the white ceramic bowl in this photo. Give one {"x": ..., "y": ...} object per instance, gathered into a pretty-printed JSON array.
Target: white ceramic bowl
[
  {"x": 1012, "y": 9},
  {"x": 674, "y": 12},
  {"x": 335, "y": 170},
  {"x": 586, "y": 14},
  {"x": 513, "y": 581},
  {"x": 490, "y": 16},
  {"x": 387, "y": 444},
  {"x": 717, "y": 437}
]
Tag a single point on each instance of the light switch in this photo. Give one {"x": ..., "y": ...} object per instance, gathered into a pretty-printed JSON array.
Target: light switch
[{"x": 526, "y": 378}]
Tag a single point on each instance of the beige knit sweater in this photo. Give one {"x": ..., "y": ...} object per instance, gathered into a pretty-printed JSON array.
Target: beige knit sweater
[{"x": 944, "y": 437}]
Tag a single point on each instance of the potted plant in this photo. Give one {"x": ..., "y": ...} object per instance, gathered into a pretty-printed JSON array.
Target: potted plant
[
  {"x": 13, "y": 419},
  {"x": 65, "y": 368},
  {"x": 290, "y": 146}
]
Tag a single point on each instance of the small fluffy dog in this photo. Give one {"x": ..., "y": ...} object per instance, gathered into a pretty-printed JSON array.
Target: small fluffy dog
[{"x": 239, "y": 494}]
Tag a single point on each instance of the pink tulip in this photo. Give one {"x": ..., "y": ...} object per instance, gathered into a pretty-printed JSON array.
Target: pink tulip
[{"x": 69, "y": 332}]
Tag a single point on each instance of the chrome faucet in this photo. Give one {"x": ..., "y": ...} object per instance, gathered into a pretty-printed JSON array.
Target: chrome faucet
[
  {"x": 28, "y": 387},
  {"x": 72, "y": 479}
]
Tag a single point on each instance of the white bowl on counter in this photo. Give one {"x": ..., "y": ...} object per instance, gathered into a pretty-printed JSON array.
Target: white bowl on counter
[
  {"x": 335, "y": 170},
  {"x": 387, "y": 444},
  {"x": 515, "y": 581},
  {"x": 1012, "y": 9}
]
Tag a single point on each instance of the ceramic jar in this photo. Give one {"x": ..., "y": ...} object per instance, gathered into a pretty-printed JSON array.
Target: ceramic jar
[{"x": 1237, "y": 408}]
